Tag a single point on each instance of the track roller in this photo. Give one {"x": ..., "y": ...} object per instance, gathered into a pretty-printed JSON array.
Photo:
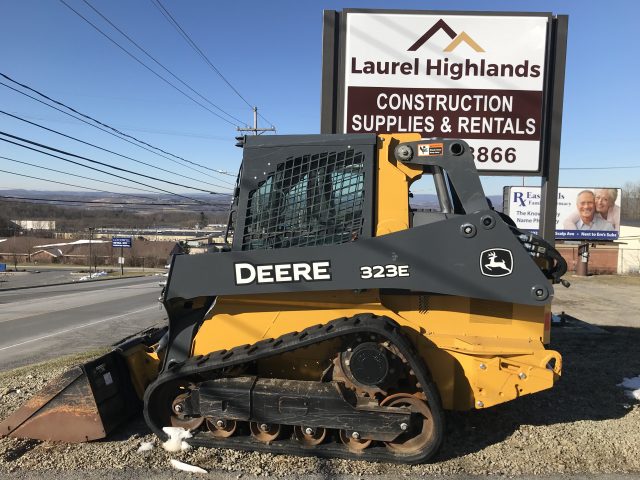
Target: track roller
[
  {"x": 221, "y": 428},
  {"x": 309, "y": 436},
  {"x": 353, "y": 441},
  {"x": 421, "y": 434},
  {"x": 265, "y": 432},
  {"x": 180, "y": 420}
]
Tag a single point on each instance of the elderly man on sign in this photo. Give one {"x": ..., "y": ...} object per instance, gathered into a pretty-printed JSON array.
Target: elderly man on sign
[{"x": 586, "y": 218}]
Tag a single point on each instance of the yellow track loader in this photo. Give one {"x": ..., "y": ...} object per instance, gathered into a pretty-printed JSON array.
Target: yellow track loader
[{"x": 338, "y": 320}]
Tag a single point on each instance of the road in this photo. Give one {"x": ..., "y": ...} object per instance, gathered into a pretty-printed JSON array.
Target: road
[
  {"x": 29, "y": 275},
  {"x": 41, "y": 323}
]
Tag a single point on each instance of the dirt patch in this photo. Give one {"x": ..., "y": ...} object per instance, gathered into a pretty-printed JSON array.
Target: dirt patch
[{"x": 601, "y": 299}]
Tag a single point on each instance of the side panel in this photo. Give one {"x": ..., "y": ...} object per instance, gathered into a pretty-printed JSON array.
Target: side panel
[{"x": 437, "y": 258}]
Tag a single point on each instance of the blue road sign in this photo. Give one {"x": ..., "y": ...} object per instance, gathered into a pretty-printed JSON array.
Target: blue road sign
[{"x": 122, "y": 242}]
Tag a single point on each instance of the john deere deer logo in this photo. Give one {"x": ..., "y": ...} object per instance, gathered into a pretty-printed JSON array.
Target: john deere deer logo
[
  {"x": 457, "y": 38},
  {"x": 496, "y": 262}
]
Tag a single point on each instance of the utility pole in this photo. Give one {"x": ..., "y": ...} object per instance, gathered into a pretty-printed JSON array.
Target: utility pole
[
  {"x": 255, "y": 129},
  {"x": 90, "y": 241},
  {"x": 15, "y": 255}
]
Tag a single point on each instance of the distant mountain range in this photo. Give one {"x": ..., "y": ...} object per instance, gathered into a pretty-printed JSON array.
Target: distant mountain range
[
  {"x": 419, "y": 200},
  {"x": 428, "y": 200},
  {"x": 102, "y": 196}
]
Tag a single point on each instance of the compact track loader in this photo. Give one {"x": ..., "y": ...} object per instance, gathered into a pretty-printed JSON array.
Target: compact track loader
[{"x": 339, "y": 321}]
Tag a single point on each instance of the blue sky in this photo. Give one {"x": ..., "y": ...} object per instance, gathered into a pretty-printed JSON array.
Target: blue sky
[{"x": 271, "y": 53}]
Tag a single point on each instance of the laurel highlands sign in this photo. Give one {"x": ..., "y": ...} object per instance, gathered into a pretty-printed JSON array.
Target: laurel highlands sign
[{"x": 476, "y": 77}]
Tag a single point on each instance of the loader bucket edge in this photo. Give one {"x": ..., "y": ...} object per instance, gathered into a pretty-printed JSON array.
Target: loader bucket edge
[{"x": 86, "y": 402}]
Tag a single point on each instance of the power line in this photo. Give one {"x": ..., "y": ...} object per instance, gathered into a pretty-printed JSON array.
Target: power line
[
  {"x": 120, "y": 169},
  {"x": 117, "y": 134},
  {"x": 79, "y": 176},
  {"x": 55, "y": 181},
  {"x": 101, "y": 171},
  {"x": 599, "y": 168},
  {"x": 268, "y": 121},
  {"x": 160, "y": 64},
  {"x": 96, "y": 202},
  {"x": 106, "y": 150},
  {"x": 143, "y": 64},
  {"x": 173, "y": 133},
  {"x": 224, "y": 172},
  {"x": 173, "y": 22}
]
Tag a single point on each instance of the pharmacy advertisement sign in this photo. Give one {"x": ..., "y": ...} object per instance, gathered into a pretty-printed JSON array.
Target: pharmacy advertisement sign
[{"x": 591, "y": 213}]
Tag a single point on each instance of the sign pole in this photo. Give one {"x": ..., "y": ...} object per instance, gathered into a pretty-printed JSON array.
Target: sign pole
[
  {"x": 330, "y": 59},
  {"x": 123, "y": 243},
  {"x": 551, "y": 170},
  {"x": 582, "y": 264}
]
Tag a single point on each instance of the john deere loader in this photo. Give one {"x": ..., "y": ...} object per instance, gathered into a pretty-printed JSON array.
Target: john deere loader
[{"x": 337, "y": 320}]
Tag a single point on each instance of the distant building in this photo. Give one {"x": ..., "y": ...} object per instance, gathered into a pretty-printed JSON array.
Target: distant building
[
  {"x": 36, "y": 224},
  {"x": 162, "y": 234},
  {"x": 205, "y": 244},
  {"x": 621, "y": 256},
  {"x": 629, "y": 257},
  {"x": 54, "y": 256}
]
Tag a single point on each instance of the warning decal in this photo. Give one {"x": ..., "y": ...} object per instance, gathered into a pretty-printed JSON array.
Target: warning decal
[{"x": 430, "y": 149}]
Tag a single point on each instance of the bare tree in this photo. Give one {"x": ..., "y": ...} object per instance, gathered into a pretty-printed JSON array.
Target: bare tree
[{"x": 630, "y": 202}]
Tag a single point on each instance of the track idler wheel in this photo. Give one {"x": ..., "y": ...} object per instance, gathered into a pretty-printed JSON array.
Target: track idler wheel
[
  {"x": 179, "y": 420},
  {"x": 309, "y": 436},
  {"x": 265, "y": 432},
  {"x": 221, "y": 428},
  {"x": 353, "y": 441},
  {"x": 421, "y": 433}
]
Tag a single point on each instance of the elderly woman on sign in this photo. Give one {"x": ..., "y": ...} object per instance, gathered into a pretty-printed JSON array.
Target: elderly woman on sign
[
  {"x": 604, "y": 200},
  {"x": 606, "y": 206}
]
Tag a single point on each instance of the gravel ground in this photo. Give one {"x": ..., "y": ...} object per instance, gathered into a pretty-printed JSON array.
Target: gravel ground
[
  {"x": 585, "y": 425},
  {"x": 601, "y": 299}
]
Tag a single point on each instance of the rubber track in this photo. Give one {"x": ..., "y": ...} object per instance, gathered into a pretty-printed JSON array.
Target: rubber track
[{"x": 204, "y": 366}]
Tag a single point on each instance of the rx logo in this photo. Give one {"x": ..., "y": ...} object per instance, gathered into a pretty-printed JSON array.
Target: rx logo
[{"x": 496, "y": 262}]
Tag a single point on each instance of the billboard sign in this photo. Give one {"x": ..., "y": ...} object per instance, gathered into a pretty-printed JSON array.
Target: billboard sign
[
  {"x": 121, "y": 242},
  {"x": 582, "y": 213},
  {"x": 473, "y": 76}
]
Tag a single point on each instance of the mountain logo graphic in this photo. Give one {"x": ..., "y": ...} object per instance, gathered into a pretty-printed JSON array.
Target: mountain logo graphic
[
  {"x": 496, "y": 262},
  {"x": 457, "y": 38}
]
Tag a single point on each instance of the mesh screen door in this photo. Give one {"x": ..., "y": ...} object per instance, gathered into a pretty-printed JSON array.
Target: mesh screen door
[{"x": 309, "y": 200}]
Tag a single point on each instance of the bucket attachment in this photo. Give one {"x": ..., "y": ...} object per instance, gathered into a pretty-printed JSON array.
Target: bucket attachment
[{"x": 90, "y": 400}]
